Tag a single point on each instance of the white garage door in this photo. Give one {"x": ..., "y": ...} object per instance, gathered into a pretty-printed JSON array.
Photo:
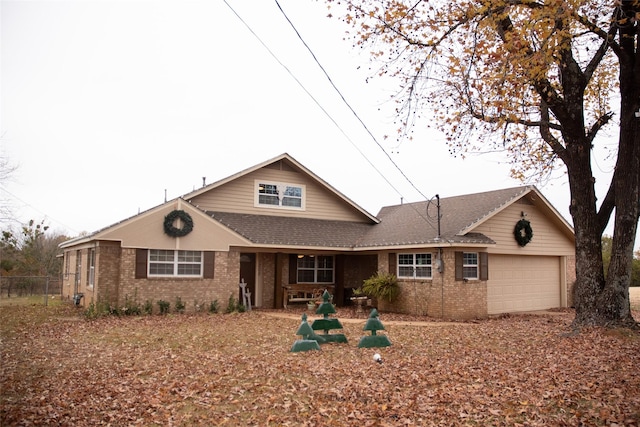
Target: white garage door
[{"x": 522, "y": 283}]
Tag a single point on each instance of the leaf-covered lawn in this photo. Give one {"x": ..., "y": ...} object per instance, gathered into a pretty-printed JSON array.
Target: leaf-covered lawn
[{"x": 237, "y": 370}]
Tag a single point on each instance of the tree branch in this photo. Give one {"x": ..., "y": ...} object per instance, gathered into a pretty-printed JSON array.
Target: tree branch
[
  {"x": 545, "y": 132},
  {"x": 599, "y": 124},
  {"x": 607, "y": 206}
]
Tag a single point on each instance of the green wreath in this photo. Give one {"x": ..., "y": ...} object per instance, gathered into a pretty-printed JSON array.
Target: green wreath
[
  {"x": 173, "y": 231},
  {"x": 523, "y": 232}
]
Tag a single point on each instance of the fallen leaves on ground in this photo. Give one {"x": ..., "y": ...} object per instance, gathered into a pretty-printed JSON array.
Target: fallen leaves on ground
[{"x": 236, "y": 369}]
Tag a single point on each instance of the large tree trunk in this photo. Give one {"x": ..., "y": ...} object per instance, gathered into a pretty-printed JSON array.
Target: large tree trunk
[
  {"x": 588, "y": 243},
  {"x": 599, "y": 301}
]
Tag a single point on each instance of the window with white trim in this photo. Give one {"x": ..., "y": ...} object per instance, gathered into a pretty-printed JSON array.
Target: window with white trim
[
  {"x": 279, "y": 195},
  {"x": 78, "y": 269},
  {"x": 470, "y": 265},
  {"x": 175, "y": 263},
  {"x": 415, "y": 266},
  {"x": 315, "y": 269},
  {"x": 92, "y": 267},
  {"x": 67, "y": 266}
]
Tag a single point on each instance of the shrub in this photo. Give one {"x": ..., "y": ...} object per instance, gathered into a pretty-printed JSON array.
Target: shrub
[
  {"x": 148, "y": 307},
  {"x": 214, "y": 306},
  {"x": 131, "y": 307},
  {"x": 232, "y": 304},
  {"x": 383, "y": 286},
  {"x": 180, "y": 306},
  {"x": 96, "y": 310},
  {"x": 164, "y": 306}
]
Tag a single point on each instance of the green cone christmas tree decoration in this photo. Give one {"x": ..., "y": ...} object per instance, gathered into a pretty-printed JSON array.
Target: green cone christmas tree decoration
[
  {"x": 327, "y": 324},
  {"x": 305, "y": 331},
  {"x": 374, "y": 324}
]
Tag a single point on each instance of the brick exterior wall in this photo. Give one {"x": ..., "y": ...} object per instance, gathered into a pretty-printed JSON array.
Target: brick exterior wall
[
  {"x": 117, "y": 283},
  {"x": 442, "y": 296},
  {"x": 108, "y": 272},
  {"x": 267, "y": 276}
]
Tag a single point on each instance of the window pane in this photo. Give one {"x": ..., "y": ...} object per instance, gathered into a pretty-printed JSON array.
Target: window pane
[
  {"x": 423, "y": 272},
  {"x": 188, "y": 269},
  {"x": 325, "y": 276},
  {"x": 470, "y": 258},
  {"x": 325, "y": 262},
  {"x": 161, "y": 255},
  {"x": 161, "y": 269},
  {"x": 470, "y": 272},
  {"x": 293, "y": 191},
  {"x": 305, "y": 276},
  {"x": 405, "y": 271},
  {"x": 405, "y": 259},
  {"x": 423, "y": 259},
  {"x": 268, "y": 189},
  {"x": 288, "y": 201},
  {"x": 189, "y": 256},
  {"x": 306, "y": 262},
  {"x": 268, "y": 200}
]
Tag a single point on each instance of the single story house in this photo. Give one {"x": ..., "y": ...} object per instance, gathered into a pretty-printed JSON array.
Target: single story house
[{"x": 277, "y": 225}]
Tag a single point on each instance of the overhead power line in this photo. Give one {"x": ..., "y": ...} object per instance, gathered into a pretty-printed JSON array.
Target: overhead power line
[{"x": 327, "y": 113}]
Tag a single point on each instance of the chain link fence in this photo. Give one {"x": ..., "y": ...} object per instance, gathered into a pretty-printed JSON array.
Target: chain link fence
[{"x": 30, "y": 286}]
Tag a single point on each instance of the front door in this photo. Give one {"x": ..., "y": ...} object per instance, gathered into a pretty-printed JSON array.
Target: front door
[{"x": 248, "y": 274}]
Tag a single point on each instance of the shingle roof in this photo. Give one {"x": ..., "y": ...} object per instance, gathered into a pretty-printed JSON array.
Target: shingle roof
[
  {"x": 416, "y": 223},
  {"x": 287, "y": 231},
  {"x": 406, "y": 224}
]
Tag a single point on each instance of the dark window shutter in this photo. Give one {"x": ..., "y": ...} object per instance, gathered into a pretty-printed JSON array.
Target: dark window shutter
[
  {"x": 393, "y": 263},
  {"x": 484, "y": 266},
  {"x": 141, "y": 263},
  {"x": 209, "y": 263},
  {"x": 459, "y": 266},
  {"x": 293, "y": 268}
]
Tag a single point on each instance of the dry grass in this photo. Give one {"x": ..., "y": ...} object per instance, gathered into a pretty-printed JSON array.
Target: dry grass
[{"x": 236, "y": 369}]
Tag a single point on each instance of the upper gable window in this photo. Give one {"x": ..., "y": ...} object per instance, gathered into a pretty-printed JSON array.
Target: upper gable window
[{"x": 279, "y": 195}]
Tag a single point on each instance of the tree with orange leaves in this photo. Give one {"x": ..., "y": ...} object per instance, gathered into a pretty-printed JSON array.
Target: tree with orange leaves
[{"x": 536, "y": 78}]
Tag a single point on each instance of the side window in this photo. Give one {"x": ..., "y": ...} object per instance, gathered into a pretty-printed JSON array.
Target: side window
[
  {"x": 472, "y": 266},
  {"x": 161, "y": 263},
  {"x": 415, "y": 266},
  {"x": 175, "y": 263},
  {"x": 78, "y": 268},
  {"x": 91, "y": 266}
]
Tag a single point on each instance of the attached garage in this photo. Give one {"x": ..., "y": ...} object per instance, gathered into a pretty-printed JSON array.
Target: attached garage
[{"x": 523, "y": 283}]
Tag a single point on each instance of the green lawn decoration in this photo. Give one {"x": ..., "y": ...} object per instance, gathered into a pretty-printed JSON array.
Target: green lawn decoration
[
  {"x": 327, "y": 324},
  {"x": 374, "y": 324},
  {"x": 305, "y": 331}
]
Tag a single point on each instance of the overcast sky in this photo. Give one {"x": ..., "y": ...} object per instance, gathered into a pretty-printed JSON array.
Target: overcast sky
[{"x": 108, "y": 105}]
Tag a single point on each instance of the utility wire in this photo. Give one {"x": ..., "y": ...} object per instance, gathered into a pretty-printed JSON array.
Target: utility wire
[
  {"x": 273, "y": 55},
  {"x": 344, "y": 100},
  {"x": 347, "y": 103},
  {"x": 309, "y": 93}
]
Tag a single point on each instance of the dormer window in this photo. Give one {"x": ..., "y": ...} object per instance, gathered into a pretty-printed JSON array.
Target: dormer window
[{"x": 279, "y": 195}]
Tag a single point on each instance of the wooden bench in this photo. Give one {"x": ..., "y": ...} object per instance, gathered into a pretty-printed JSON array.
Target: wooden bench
[{"x": 304, "y": 292}]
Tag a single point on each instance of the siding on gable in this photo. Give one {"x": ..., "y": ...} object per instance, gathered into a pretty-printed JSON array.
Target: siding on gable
[
  {"x": 548, "y": 238},
  {"x": 238, "y": 196},
  {"x": 147, "y": 231}
]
